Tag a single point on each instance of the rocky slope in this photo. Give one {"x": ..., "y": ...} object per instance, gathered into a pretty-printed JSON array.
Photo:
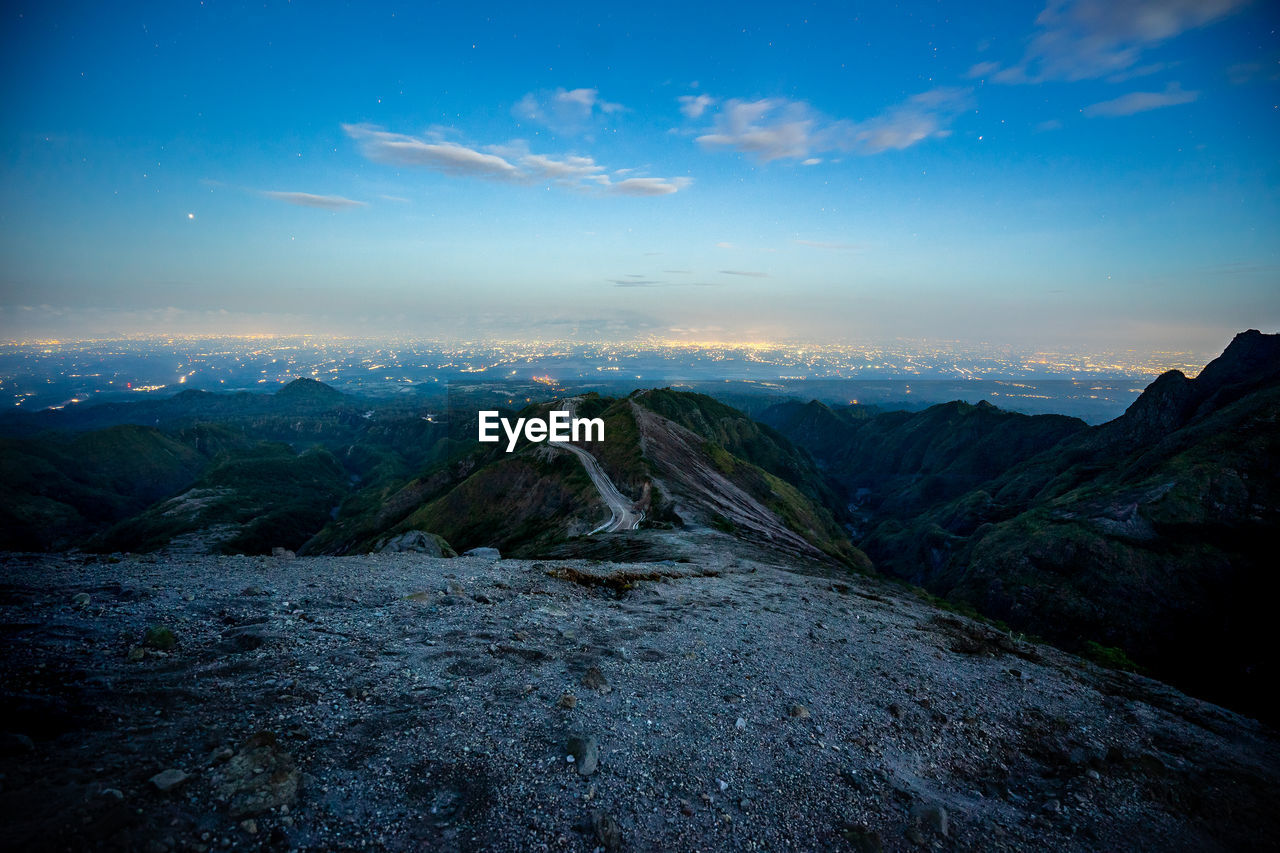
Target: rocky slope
[{"x": 399, "y": 702}]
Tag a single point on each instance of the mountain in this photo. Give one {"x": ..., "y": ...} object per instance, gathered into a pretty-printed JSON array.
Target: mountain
[
  {"x": 57, "y": 490},
  {"x": 245, "y": 472},
  {"x": 1146, "y": 541},
  {"x": 900, "y": 463},
  {"x": 307, "y": 391},
  {"x": 250, "y": 502},
  {"x": 684, "y": 461}
]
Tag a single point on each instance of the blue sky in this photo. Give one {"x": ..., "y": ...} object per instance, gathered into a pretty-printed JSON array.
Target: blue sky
[{"x": 1086, "y": 172}]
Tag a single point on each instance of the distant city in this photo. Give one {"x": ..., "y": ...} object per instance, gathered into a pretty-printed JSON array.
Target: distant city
[{"x": 1096, "y": 386}]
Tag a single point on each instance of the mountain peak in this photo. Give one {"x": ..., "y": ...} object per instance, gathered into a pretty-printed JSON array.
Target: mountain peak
[
  {"x": 1250, "y": 358},
  {"x": 304, "y": 388}
]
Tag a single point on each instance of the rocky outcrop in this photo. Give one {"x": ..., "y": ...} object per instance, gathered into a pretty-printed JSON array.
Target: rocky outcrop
[{"x": 417, "y": 542}]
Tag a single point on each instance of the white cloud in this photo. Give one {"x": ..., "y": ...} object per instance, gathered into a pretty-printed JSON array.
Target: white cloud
[
  {"x": 449, "y": 157},
  {"x": 1140, "y": 102},
  {"x": 694, "y": 106},
  {"x": 570, "y": 169},
  {"x": 647, "y": 186},
  {"x": 323, "y": 202},
  {"x": 513, "y": 162},
  {"x": 920, "y": 117},
  {"x": 769, "y": 129},
  {"x": 779, "y": 129},
  {"x": 564, "y": 110},
  {"x": 748, "y": 273},
  {"x": 1086, "y": 39}
]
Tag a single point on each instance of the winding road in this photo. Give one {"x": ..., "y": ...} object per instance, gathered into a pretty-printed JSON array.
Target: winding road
[{"x": 623, "y": 515}]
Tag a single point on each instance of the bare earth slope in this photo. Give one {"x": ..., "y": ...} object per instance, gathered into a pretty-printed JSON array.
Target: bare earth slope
[{"x": 401, "y": 702}]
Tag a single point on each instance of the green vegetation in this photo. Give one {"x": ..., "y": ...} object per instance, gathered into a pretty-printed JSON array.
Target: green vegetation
[
  {"x": 1109, "y": 656},
  {"x": 522, "y": 503},
  {"x": 159, "y": 637},
  {"x": 267, "y": 495},
  {"x": 1148, "y": 538}
]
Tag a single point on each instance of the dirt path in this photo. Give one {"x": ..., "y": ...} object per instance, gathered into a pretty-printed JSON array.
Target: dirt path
[{"x": 623, "y": 515}]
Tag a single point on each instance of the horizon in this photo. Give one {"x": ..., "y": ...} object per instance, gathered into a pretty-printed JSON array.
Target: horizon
[
  {"x": 904, "y": 374},
  {"x": 1086, "y": 175}
]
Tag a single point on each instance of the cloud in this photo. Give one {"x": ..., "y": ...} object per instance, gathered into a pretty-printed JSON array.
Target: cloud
[
  {"x": 920, "y": 117},
  {"x": 647, "y": 186},
  {"x": 571, "y": 169},
  {"x": 748, "y": 273},
  {"x": 769, "y": 129},
  {"x": 1243, "y": 72},
  {"x": 779, "y": 129},
  {"x": 694, "y": 106},
  {"x": 398, "y": 149},
  {"x": 817, "y": 244},
  {"x": 1086, "y": 39},
  {"x": 322, "y": 202},
  {"x": 1140, "y": 102},
  {"x": 564, "y": 110},
  {"x": 513, "y": 162},
  {"x": 648, "y": 283}
]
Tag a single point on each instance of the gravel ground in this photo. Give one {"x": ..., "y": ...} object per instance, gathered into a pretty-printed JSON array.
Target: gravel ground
[{"x": 400, "y": 702}]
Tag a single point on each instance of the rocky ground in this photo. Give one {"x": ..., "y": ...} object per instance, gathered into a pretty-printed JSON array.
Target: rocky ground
[{"x": 402, "y": 702}]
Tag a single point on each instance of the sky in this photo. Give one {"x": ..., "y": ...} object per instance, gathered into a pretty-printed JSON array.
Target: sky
[{"x": 1084, "y": 173}]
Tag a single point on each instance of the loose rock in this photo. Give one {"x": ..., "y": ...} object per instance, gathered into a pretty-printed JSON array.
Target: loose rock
[
  {"x": 932, "y": 816},
  {"x": 167, "y": 780},
  {"x": 585, "y": 752}
]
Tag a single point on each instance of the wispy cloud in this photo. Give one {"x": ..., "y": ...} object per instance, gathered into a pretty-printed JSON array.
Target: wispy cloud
[
  {"x": 564, "y": 110},
  {"x": 647, "y": 186},
  {"x": 400, "y": 149},
  {"x": 818, "y": 244},
  {"x": 780, "y": 129},
  {"x": 1086, "y": 39},
  {"x": 982, "y": 69},
  {"x": 1140, "y": 102},
  {"x": 513, "y": 162},
  {"x": 694, "y": 106},
  {"x": 924, "y": 116},
  {"x": 649, "y": 283},
  {"x": 769, "y": 129},
  {"x": 748, "y": 273},
  {"x": 322, "y": 202}
]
